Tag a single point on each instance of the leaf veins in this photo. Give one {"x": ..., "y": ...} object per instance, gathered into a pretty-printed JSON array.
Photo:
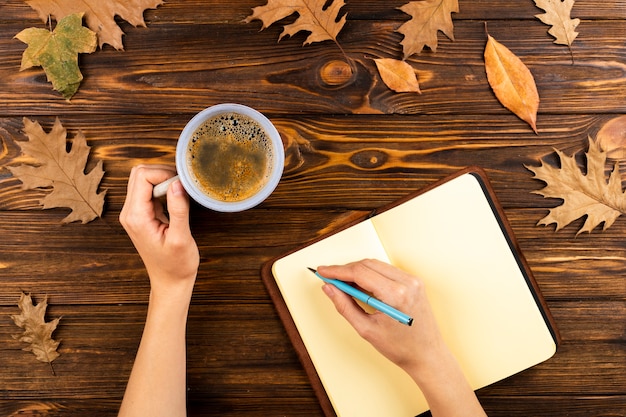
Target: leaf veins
[
  {"x": 37, "y": 333},
  {"x": 583, "y": 195},
  {"x": 61, "y": 171}
]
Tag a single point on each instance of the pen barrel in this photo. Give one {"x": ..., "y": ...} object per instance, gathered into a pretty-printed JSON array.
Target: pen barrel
[{"x": 390, "y": 311}]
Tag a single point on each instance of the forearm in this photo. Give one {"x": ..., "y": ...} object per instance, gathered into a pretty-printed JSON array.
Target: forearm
[
  {"x": 157, "y": 385},
  {"x": 446, "y": 389}
]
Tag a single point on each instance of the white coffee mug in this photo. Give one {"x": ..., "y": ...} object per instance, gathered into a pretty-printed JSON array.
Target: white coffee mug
[{"x": 186, "y": 176}]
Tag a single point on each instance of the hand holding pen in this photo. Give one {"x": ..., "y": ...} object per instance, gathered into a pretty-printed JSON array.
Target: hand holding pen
[{"x": 402, "y": 344}]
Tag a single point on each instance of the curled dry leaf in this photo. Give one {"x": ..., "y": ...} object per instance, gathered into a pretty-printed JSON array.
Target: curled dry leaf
[
  {"x": 612, "y": 138},
  {"x": 99, "y": 15},
  {"x": 428, "y": 17},
  {"x": 322, "y": 22},
  {"x": 397, "y": 75},
  {"x": 37, "y": 333},
  {"x": 511, "y": 81},
  {"x": 62, "y": 172},
  {"x": 57, "y": 52},
  {"x": 557, "y": 14},
  {"x": 583, "y": 195}
]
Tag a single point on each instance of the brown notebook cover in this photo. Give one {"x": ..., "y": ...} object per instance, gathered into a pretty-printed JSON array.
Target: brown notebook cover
[{"x": 285, "y": 314}]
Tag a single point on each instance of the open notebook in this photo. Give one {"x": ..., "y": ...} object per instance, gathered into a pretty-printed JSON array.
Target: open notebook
[{"x": 455, "y": 237}]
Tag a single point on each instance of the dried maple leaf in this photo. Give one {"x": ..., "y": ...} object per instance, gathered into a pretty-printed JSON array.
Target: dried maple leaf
[
  {"x": 428, "y": 17},
  {"x": 99, "y": 15},
  {"x": 37, "y": 333},
  {"x": 57, "y": 52},
  {"x": 511, "y": 81},
  {"x": 322, "y": 22},
  {"x": 397, "y": 75},
  {"x": 558, "y": 16},
  {"x": 61, "y": 171},
  {"x": 590, "y": 194}
]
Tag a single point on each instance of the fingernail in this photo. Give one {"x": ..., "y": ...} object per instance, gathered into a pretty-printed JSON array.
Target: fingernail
[
  {"x": 328, "y": 290},
  {"x": 177, "y": 188}
]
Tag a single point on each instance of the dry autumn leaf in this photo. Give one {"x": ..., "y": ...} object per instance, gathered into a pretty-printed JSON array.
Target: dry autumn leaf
[
  {"x": 37, "y": 333},
  {"x": 57, "y": 52},
  {"x": 612, "y": 138},
  {"x": 428, "y": 17},
  {"x": 322, "y": 22},
  {"x": 99, "y": 15},
  {"x": 62, "y": 172},
  {"x": 583, "y": 195},
  {"x": 397, "y": 75},
  {"x": 511, "y": 81},
  {"x": 558, "y": 16}
]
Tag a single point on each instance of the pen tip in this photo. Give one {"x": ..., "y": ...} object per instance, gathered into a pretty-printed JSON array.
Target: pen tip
[{"x": 311, "y": 269}]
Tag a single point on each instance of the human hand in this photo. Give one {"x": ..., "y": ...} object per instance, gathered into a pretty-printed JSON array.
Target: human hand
[
  {"x": 166, "y": 246},
  {"x": 410, "y": 347}
]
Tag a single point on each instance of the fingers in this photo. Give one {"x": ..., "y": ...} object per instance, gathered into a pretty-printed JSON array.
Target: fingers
[
  {"x": 348, "y": 308},
  {"x": 178, "y": 208}
]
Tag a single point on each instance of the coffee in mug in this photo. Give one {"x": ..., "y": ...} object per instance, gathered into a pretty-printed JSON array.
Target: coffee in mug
[{"x": 229, "y": 157}]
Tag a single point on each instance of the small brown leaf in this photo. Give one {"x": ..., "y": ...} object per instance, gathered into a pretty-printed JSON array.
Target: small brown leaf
[
  {"x": 37, "y": 333},
  {"x": 558, "y": 16},
  {"x": 322, "y": 22},
  {"x": 583, "y": 195},
  {"x": 428, "y": 17},
  {"x": 61, "y": 171},
  {"x": 511, "y": 81},
  {"x": 612, "y": 138},
  {"x": 397, "y": 75}
]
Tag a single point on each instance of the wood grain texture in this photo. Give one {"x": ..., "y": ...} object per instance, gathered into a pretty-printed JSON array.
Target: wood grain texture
[{"x": 351, "y": 146}]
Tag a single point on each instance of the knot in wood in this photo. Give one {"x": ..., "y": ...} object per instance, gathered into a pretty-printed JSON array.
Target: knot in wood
[
  {"x": 369, "y": 159},
  {"x": 336, "y": 73}
]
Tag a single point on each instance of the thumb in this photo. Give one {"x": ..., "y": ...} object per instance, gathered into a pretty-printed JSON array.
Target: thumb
[{"x": 178, "y": 206}]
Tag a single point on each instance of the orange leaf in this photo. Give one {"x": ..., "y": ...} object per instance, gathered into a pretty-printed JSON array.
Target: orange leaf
[
  {"x": 397, "y": 75},
  {"x": 612, "y": 138},
  {"x": 512, "y": 82}
]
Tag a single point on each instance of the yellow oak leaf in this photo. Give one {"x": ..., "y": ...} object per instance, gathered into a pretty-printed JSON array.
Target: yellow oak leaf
[
  {"x": 322, "y": 22},
  {"x": 428, "y": 17},
  {"x": 99, "y": 15},
  {"x": 37, "y": 332},
  {"x": 511, "y": 81},
  {"x": 57, "y": 52},
  {"x": 397, "y": 75},
  {"x": 557, "y": 15},
  {"x": 61, "y": 171},
  {"x": 583, "y": 194}
]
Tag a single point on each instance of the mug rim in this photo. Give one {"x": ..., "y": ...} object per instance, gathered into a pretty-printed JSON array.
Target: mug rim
[{"x": 185, "y": 175}]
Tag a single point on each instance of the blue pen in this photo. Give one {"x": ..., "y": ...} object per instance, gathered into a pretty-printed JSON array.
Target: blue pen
[{"x": 367, "y": 299}]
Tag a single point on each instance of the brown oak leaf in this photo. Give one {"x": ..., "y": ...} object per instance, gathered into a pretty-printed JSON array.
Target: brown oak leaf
[
  {"x": 583, "y": 194},
  {"x": 37, "y": 332},
  {"x": 61, "y": 171},
  {"x": 557, "y": 15},
  {"x": 99, "y": 15},
  {"x": 428, "y": 17},
  {"x": 511, "y": 81},
  {"x": 322, "y": 22},
  {"x": 397, "y": 75}
]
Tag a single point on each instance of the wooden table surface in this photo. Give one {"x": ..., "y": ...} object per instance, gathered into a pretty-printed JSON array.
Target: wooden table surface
[{"x": 351, "y": 146}]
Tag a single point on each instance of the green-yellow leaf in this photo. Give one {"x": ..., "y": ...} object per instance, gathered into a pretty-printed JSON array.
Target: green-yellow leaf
[{"x": 57, "y": 52}]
